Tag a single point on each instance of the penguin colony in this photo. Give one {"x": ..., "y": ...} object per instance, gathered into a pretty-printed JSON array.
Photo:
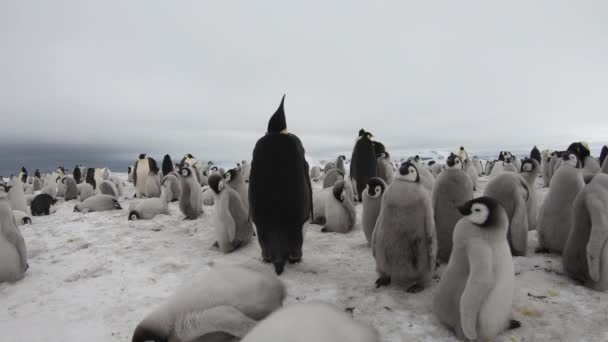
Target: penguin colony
[{"x": 416, "y": 216}]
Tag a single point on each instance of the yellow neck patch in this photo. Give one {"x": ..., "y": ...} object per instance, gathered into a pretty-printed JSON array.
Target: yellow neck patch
[{"x": 284, "y": 131}]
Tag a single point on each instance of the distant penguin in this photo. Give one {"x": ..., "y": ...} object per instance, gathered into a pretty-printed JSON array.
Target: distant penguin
[
  {"x": 544, "y": 167},
  {"x": 76, "y": 174},
  {"x": 191, "y": 196},
  {"x": 167, "y": 166},
  {"x": 21, "y": 218},
  {"x": 536, "y": 155},
  {"x": 145, "y": 167},
  {"x": 235, "y": 181},
  {"x": 280, "y": 193},
  {"x": 233, "y": 229},
  {"x": 512, "y": 192},
  {"x": 436, "y": 169},
  {"x": 334, "y": 175},
  {"x": 517, "y": 163},
  {"x": 372, "y": 203},
  {"x": 314, "y": 321},
  {"x": 90, "y": 178},
  {"x": 474, "y": 297},
  {"x": 171, "y": 183},
  {"x": 363, "y": 163},
  {"x": 13, "y": 255},
  {"x": 148, "y": 208},
  {"x": 23, "y": 175},
  {"x": 37, "y": 184},
  {"x": 85, "y": 190},
  {"x": 130, "y": 174},
  {"x": 153, "y": 186},
  {"x": 315, "y": 173},
  {"x": 340, "y": 164},
  {"x": 529, "y": 171},
  {"x": 43, "y": 204},
  {"x": 404, "y": 242},
  {"x": 585, "y": 254},
  {"x": 581, "y": 150},
  {"x": 555, "y": 216},
  {"x": 453, "y": 188},
  {"x": 220, "y": 305},
  {"x": 477, "y": 164},
  {"x": 554, "y": 162},
  {"x": 105, "y": 173},
  {"x": 99, "y": 202},
  {"x": 603, "y": 155},
  {"x": 71, "y": 188},
  {"x": 245, "y": 170},
  {"x": 119, "y": 183},
  {"x": 462, "y": 154},
  {"x": 471, "y": 170},
  {"x": 386, "y": 171},
  {"x": 340, "y": 214},
  {"x": 509, "y": 166},
  {"x": 106, "y": 187},
  {"x": 16, "y": 195}
]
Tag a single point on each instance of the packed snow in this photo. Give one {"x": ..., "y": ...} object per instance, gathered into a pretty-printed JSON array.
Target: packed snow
[{"x": 94, "y": 276}]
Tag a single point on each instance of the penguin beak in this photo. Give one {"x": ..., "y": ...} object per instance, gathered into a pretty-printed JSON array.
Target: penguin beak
[{"x": 464, "y": 210}]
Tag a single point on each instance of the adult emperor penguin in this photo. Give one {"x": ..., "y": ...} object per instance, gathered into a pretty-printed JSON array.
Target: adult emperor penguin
[
  {"x": 555, "y": 216},
  {"x": 71, "y": 188},
  {"x": 76, "y": 174},
  {"x": 471, "y": 170},
  {"x": 279, "y": 202},
  {"x": 404, "y": 242},
  {"x": 307, "y": 322},
  {"x": 462, "y": 154},
  {"x": 453, "y": 188},
  {"x": 148, "y": 208},
  {"x": 235, "y": 181},
  {"x": 23, "y": 175},
  {"x": 90, "y": 178},
  {"x": 363, "y": 163},
  {"x": 167, "y": 166},
  {"x": 99, "y": 202},
  {"x": 475, "y": 293},
  {"x": 372, "y": 202},
  {"x": 233, "y": 229},
  {"x": 331, "y": 177},
  {"x": 512, "y": 192},
  {"x": 585, "y": 255},
  {"x": 603, "y": 155},
  {"x": 340, "y": 214},
  {"x": 340, "y": 164},
  {"x": 16, "y": 195},
  {"x": 221, "y": 305},
  {"x": 144, "y": 168},
  {"x": 191, "y": 196},
  {"x": 386, "y": 171},
  {"x": 171, "y": 184},
  {"x": 535, "y": 154},
  {"x": 13, "y": 255},
  {"x": 529, "y": 171}
]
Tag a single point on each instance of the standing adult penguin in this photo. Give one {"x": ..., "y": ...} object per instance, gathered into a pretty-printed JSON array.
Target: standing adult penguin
[
  {"x": 90, "y": 178},
  {"x": 535, "y": 154},
  {"x": 144, "y": 168},
  {"x": 37, "y": 182},
  {"x": 279, "y": 202},
  {"x": 512, "y": 192},
  {"x": 453, "y": 188},
  {"x": 363, "y": 163},
  {"x": 76, "y": 174},
  {"x": 462, "y": 154},
  {"x": 235, "y": 181},
  {"x": 191, "y": 196},
  {"x": 340, "y": 211},
  {"x": 372, "y": 203},
  {"x": 475, "y": 293},
  {"x": 585, "y": 255},
  {"x": 13, "y": 255},
  {"x": 130, "y": 174},
  {"x": 404, "y": 242},
  {"x": 167, "y": 166},
  {"x": 233, "y": 228},
  {"x": 386, "y": 171},
  {"x": 555, "y": 217},
  {"x": 529, "y": 171},
  {"x": 23, "y": 175}
]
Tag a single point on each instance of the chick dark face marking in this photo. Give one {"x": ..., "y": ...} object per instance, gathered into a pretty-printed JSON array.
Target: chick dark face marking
[
  {"x": 481, "y": 211},
  {"x": 216, "y": 183},
  {"x": 375, "y": 187},
  {"x": 409, "y": 172}
]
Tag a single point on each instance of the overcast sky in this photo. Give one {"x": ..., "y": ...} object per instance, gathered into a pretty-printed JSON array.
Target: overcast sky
[{"x": 205, "y": 76}]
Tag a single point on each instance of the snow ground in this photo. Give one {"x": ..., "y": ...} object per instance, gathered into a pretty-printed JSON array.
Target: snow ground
[{"x": 94, "y": 276}]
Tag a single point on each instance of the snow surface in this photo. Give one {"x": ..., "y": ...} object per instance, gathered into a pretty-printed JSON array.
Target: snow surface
[{"x": 94, "y": 276}]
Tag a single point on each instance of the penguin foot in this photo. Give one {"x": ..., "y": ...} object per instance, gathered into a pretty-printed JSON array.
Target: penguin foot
[
  {"x": 383, "y": 281},
  {"x": 216, "y": 245},
  {"x": 513, "y": 324},
  {"x": 414, "y": 288},
  {"x": 324, "y": 230}
]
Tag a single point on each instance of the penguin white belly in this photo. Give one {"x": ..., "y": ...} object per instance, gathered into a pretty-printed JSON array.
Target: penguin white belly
[
  {"x": 10, "y": 261},
  {"x": 494, "y": 314},
  {"x": 336, "y": 216},
  {"x": 319, "y": 201}
]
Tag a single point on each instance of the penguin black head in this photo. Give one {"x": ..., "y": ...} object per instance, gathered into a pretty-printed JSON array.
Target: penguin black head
[
  {"x": 133, "y": 215},
  {"x": 417, "y": 158},
  {"x": 115, "y": 204},
  {"x": 375, "y": 187},
  {"x": 481, "y": 211},
  {"x": 26, "y": 220},
  {"x": 385, "y": 155},
  {"x": 146, "y": 334},
  {"x": 216, "y": 183},
  {"x": 528, "y": 165},
  {"x": 142, "y": 156},
  {"x": 63, "y": 180},
  {"x": 167, "y": 165},
  {"x": 189, "y": 156},
  {"x": 603, "y": 154},
  {"x": 361, "y": 132},
  {"x": 278, "y": 123},
  {"x": 462, "y": 148},
  {"x": 231, "y": 175},
  {"x": 571, "y": 158},
  {"x": 23, "y": 169},
  {"x": 185, "y": 172},
  {"x": 129, "y": 169},
  {"x": 409, "y": 172},
  {"x": 581, "y": 150},
  {"x": 343, "y": 157},
  {"x": 337, "y": 191},
  {"x": 454, "y": 161},
  {"x": 432, "y": 162},
  {"x": 501, "y": 156},
  {"x": 37, "y": 173},
  {"x": 5, "y": 188}
]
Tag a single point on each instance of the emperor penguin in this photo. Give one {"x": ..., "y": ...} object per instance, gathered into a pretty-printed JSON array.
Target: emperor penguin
[
  {"x": 474, "y": 297},
  {"x": 512, "y": 192},
  {"x": 43, "y": 204},
  {"x": 436, "y": 169},
  {"x": 404, "y": 242},
  {"x": 21, "y": 218},
  {"x": 130, "y": 174},
  {"x": 489, "y": 166},
  {"x": 386, "y": 171},
  {"x": 478, "y": 166},
  {"x": 331, "y": 177},
  {"x": 372, "y": 202},
  {"x": 191, "y": 199},
  {"x": 516, "y": 162},
  {"x": 145, "y": 167},
  {"x": 319, "y": 200},
  {"x": 315, "y": 173},
  {"x": 471, "y": 170},
  {"x": 71, "y": 188},
  {"x": 314, "y": 321},
  {"x": 153, "y": 186},
  {"x": 13, "y": 254},
  {"x": 555, "y": 161},
  {"x": 529, "y": 171},
  {"x": 233, "y": 229},
  {"x": 107, "y": 187},
  {"x": 16, "y": 195},
  {"x": 509, "y": 166},
  {"x": 462, "y": 154},
  {"x": 90, "y": 178},
  {"x": 221, "y": 305},
  {"x": 535, "y": 154},
  {"x": 148, "y": 208},
  {"x": 23, "y": 175},
  {"x": 245, "y": 169},
  {"x": 590, "y": 165},
  {"x": 329, "y": 166},
  {"x": 585, "y": 254},
  {"x": 453, "y": 188},
  {"x": 99, "y": 202},
  {"x": 37, "y": 184},
  {"x": 76, "y": 174},
  {"x": 603, "y": 154},
  {"x": 544, "y": 167},
  {"x": 363, "y": 163},
  {"x": 118, "y": 183},
  {"x": 85, "y": 190},
  {"x": 280, "y": 202},
  {"x": 235, "y": 181},
  {"x": 555, "y": 216},
  {"x": 340, "y": 214},
  {"x": 426, "y": 177},
  {"x": 105, "y": 173},
  {"x": 167, "y": 166},
  {"x": 171, "y": 184},
  {"x": 340, "y": 164}
]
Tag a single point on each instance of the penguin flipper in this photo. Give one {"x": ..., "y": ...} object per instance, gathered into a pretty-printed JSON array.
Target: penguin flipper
[
  {"x": 477, "y": 287},
  {"x": 598, "y": 235},
  {"x": 223, "y": 318}
]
